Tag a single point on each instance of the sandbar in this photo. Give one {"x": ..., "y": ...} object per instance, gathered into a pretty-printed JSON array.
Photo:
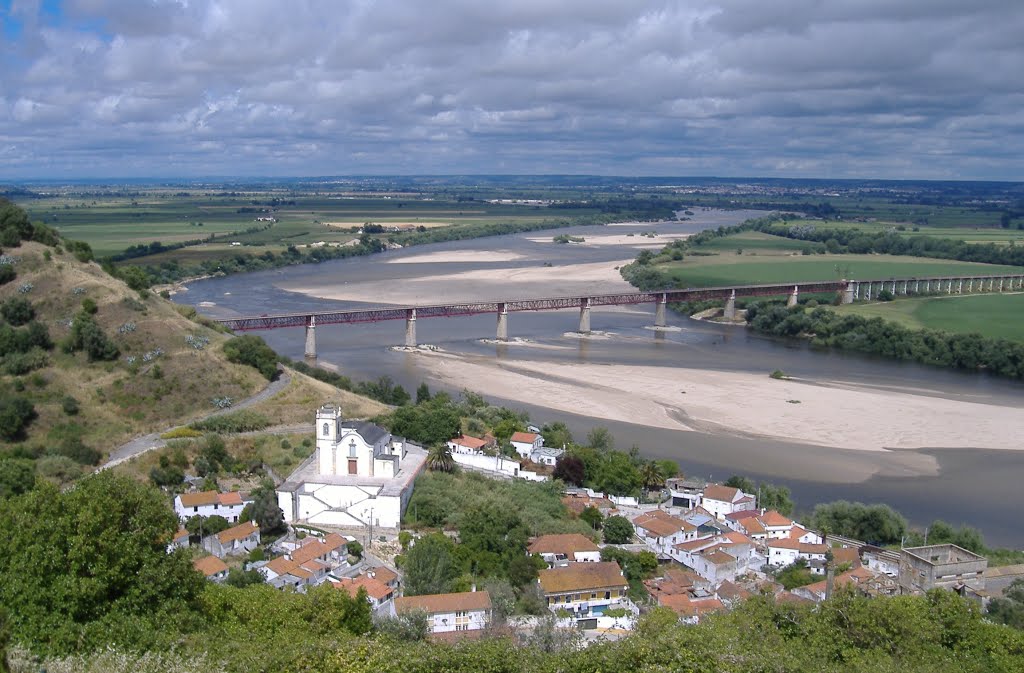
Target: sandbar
[
  {"x": 819, "y": 413},
  {"x": 478, "y": 285},
  {"x": 638, "y": 241},
  {"x": 449, "y": 256}
]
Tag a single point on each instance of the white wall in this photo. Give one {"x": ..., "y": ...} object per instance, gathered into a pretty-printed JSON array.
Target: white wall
[{"x": 444, "y": 622}]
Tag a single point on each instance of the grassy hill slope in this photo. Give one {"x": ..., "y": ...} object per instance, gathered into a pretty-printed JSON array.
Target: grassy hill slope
[{"x": 169, "y": 368}]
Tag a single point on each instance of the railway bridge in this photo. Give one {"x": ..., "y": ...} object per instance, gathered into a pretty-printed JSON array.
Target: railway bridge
[{"x": 849, "y": 291}]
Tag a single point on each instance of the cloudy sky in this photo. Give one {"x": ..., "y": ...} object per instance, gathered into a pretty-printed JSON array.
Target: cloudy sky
[{"x": 802, "y": 88}]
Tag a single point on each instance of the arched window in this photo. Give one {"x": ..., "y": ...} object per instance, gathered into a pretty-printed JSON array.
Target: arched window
[
  {"x": 327, "y": 429},
  {"x": 352, "y": 449}
]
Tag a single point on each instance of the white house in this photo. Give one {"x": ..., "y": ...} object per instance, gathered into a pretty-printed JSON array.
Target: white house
[
  {"x": 547, "y": 455},
  {"x": 567, "y": 548},
  {"x": 179, "y": 541},
  {"x": 379, "y": 595},
  {"x": 786, "y": 551},
  {"x": 585, "y": 590},
  {"x": 283, "y": 572},
  {"x": 240, "y": 539},
  {"x": 661, "y": 531},
  {"x": 450, "y": 613},
  {"x": 721, "y": 500},
  {"x": 209, "y": 503},
  {"x": 359, "y": 476},
  {"x": 525, "y": 443},
  {"x": 467, "y": 445}
]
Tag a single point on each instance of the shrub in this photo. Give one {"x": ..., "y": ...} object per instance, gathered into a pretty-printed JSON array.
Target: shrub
[
  {"x": 253, "y": 351},
  {"x": 19, "y": 364},
  {"x": 15, "y": 415},
  {"x": 79, "y": 452},
  {"x": 617, "y": 530},
  {"x": 7, "y": 274},
  {"x": 87, "y": 336},
  {"x": 181, "y": 433},
  {"x": 69, "y": 405},
  {"x": 89, "y": 306},
  {"x": 59, "y": 468},
  {"x": 17, "y": 311}
]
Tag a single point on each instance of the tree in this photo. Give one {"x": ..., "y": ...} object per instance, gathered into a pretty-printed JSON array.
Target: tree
[
  {"x": 592, "y": 516},
  {"x": 617, "y": 474},
  {"x": 570, "y": 469},
  {"x": 430, "y": 566},
  {"x": 17, "y": 476},
  {"x": 600, "y": 439},
  {"x": 651, "y": 475},
  {"x": 422, "y": 393},
  {"x": 522, "y": 569},
  {"x": 439, "y": 458},
  {"x": 15, "y": 415},
  {"x": 355, "y": 548},
  {"x": 795, "y": 575},
  {"x": 669, "y": 469},
  {"x": 617, "y": 530},
  {"x": 253, "y": 351},
  {"x": 434, "y": 422},
  {"x": 877, "y": 524},
  {"x": 266, "y": 512},
  {"x": 17, "y": 311},
  {"x": 206, "y": 526},
  {"x": 88, "y": 567},
  {"x": 86, "y": 335},
  {"x": 407, "y": 627},
  {"x": 1009, "y": 609},
  {"x": 742, "y": 483},
  {"x": 240, "y": 579},
  {"x": 556, "y": 434},
  {"x": 775, "y": 497}
]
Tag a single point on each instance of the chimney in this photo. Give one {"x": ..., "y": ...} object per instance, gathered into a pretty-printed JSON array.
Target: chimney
[{"x": 473, "y": 587}]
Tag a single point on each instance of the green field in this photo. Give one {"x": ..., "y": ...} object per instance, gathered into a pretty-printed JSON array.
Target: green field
[
  {"x": 999, "y": 316},
  {"x": 959, "y": 233},
  {"x": 732, "y": 269}
]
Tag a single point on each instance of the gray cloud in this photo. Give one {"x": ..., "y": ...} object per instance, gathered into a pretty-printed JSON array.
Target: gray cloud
[{"x": 917, "y": 88}]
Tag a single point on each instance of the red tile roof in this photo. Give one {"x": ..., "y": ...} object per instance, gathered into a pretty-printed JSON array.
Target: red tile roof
[
  {"x": 685, "y": 606},
  {"x": 470, "y": 442},
  {"x": 524, "y": 437},
  {"x": 567, "y": 544},
  {"x": 375, "y": 589},
  {"x": 435, "y": 603},
  {"x": 582, "y": 577},
  {"x": 209, "y": 565},
  {"x": 721, "y": 493},
  {"x": 239, "y": 532}
]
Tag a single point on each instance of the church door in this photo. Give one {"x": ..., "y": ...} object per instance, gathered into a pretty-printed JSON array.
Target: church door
[{"x": 353, "y": 466}]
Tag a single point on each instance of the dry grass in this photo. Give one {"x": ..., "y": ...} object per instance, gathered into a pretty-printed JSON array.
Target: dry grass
[
  {"x": 297, "y": 403},
  {"x": 119, "y": 401}
]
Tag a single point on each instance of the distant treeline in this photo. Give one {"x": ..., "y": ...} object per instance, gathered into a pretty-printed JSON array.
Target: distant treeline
[
  {"x": 889, "y": 339},
  {"x": 156, "y": 247},
  {"x": 838, "y": 241}
]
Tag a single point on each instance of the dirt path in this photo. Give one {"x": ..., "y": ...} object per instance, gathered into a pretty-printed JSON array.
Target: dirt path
[{"x": 141, "y": 445}]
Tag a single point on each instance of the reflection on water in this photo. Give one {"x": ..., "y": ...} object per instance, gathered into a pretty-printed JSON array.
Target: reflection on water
[{"x": 975, "y": 487}]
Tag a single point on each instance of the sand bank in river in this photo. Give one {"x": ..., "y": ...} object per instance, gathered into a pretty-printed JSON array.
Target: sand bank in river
[
  {"x": 827, "y": 414},
  {"x": 468, "y": 256},
  {"x": 637, "y": 241},
  {"x": 479, "y": 284}
]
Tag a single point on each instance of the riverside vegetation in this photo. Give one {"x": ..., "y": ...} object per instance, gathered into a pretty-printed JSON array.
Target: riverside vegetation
[{"x": 848, "y": 330}]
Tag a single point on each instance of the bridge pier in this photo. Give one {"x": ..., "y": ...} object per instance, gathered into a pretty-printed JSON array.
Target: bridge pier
[
  {"x": 310, "y": 351},
  {"x": 960, "y": 286},
  {"x": 730, "y": 307},
  {"x": 661, "y": 310},
  {"x": 849, "y": 293},
  {"x": 970, "y": 285},
  {"x": 792, "y": 301},
  {"x": 585, "y": 316},
  {"x": 502, "y": 322},
  {"x": 410, "y": 328}
]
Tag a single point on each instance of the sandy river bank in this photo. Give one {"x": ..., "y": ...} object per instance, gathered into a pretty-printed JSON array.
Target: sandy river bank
[{"x": 822, "y": 413}]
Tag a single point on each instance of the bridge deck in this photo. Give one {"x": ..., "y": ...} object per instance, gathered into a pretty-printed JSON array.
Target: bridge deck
[{"x": 378, "y": 314}]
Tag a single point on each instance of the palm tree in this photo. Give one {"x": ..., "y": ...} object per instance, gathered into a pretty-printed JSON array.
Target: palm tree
[
  {"x": 650, "y": 472},
  {"x": 439, "y": 458}
]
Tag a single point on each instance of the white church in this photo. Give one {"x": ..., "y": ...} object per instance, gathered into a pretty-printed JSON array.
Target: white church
[{"x": 359, "y": 476}]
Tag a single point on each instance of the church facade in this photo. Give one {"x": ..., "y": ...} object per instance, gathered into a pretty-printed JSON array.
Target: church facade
[{"x": 359, "y": 476}]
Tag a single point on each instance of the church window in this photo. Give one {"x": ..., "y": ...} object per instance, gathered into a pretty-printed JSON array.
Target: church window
[
  {"x": 327, "y": 429},
  {"x": 352, "y": 449}
]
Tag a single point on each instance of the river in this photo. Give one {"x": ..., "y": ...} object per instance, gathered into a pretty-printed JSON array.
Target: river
[{"x": 962, "y": 485}]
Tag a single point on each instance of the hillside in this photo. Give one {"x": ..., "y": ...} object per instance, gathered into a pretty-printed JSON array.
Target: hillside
[{"x": 167, "y": 369}]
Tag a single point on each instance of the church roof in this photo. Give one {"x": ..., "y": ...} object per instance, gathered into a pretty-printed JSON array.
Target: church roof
[{"x": 370, "y": 432}]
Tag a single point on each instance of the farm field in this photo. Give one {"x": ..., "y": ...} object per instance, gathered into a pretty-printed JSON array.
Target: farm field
[
  {"x": 110, "y": 224},
  {"x": 746, "y": 269},
  {"x": 998, "y": 316},
  {"x": 959, "y": 233}
]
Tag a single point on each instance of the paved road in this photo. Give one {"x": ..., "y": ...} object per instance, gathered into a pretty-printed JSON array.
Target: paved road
[{"x": 140, "y": 445}]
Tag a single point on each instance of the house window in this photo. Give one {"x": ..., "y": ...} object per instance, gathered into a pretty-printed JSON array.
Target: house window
[
  {"x": 327, "y": 429},
  {"x": 607, "y": 595}
]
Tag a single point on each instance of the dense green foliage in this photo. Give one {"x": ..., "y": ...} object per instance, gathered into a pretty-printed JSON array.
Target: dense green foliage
[
  {"x": 876, "y": 524},
  {"x": 617, "y": 530},
  {"x": 253, "y": 351},
  {"x": 89, "y": 566},
  {"x": 430, "y": 566},
  {"x": 86, "y": 335},
  {"x": 889, "y": 339},
  {"x": 265, "y": 511},
  {"x": 796, "y": 574},
  {"x": 1009, "y": 609},
  {"x": 16, "y": 413},
  {"x": 445, "y": 500},
  {"x": 431, "y": 422}
]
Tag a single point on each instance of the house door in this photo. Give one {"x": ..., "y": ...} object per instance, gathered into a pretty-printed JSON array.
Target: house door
[{"x": 353, "y": 466}]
